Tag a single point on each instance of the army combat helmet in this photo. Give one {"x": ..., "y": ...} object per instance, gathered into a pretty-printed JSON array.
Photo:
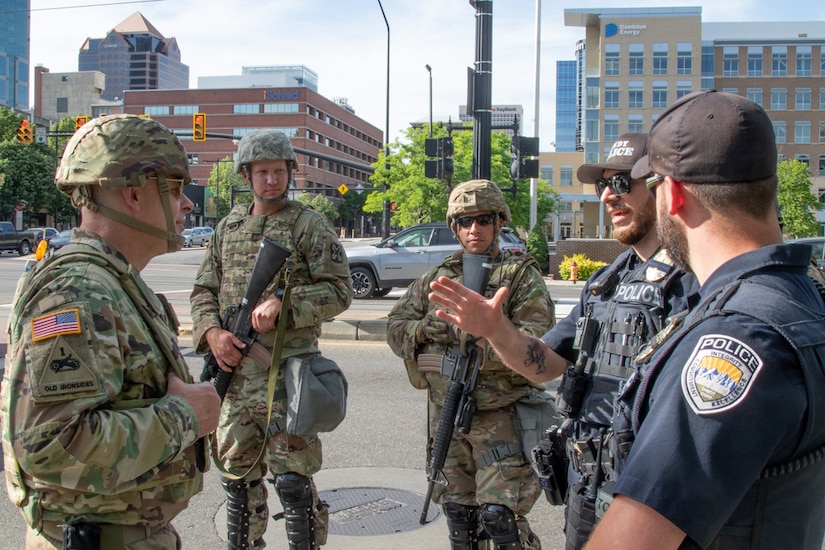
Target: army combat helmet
[
  {"x": 477, "y": 196},
  {"x": 123, "y": 151},
  {"x": 266, "y": 144}
]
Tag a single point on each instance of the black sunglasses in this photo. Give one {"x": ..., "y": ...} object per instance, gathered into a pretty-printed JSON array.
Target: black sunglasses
[
  {"x": 481, "y": 219},
  {"x": 619, "y": 184}
]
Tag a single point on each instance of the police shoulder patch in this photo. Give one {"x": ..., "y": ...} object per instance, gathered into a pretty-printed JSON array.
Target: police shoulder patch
[{"x": 719, "y": 373}]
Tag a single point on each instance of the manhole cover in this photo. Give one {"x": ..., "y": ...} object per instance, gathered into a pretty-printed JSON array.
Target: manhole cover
[{"x": 370, "y": 511}]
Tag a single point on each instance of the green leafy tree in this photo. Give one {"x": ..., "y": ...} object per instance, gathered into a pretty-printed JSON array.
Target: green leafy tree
[
  {"x": 797, "y": 204},
  {"x": 321, "y": 204},
  {"x": 420, "y": 199},
  {"x": 537, "y": 246},
  {"x": 227, "y": 183}
]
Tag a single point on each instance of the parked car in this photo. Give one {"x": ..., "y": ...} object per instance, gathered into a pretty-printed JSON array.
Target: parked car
[
  {"x": 11, "y": 239},
  {"x": 197, "y": 236},
  {"x": 44, "y": 233},
  {"x": 402, "y": 258},
  {"x": 817, "y": 249},
  {"x": 59, "y": 241}
]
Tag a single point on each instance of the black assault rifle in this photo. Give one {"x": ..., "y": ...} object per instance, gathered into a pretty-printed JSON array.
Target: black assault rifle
[
  {"x": 271, "y": 257},
  {"x": 459, "y": 403}
]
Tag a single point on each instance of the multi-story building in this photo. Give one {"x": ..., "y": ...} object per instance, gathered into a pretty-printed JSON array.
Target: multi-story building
[
  {"x": 14, "y": 54},
  {"x": 338, "y": 146},
  {"x": 277, "y": 76},
  {"x": 634, "y": 62},
  {"x": 566, "y": 106},
  {"x": 134, "y": 56}
]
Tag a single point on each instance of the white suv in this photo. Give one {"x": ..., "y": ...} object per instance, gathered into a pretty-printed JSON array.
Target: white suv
[{"x": 197, "y": 236}]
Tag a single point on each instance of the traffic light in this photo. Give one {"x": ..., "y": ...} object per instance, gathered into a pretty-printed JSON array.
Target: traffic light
[
  {"x": 522, "y": 166},
  {"x": 441, "y": 167},
  {"x": 199, "y": 127},
  {"x": 24, "y": 132},
  {"x": 79, "y": 121}
]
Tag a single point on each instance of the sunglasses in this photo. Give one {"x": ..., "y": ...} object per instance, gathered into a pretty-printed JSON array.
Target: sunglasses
[
  {"x": 619, "y": 184},
  {"x": 481, "y": 219}
]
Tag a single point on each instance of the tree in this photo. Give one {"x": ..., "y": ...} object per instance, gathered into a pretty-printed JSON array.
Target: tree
[
  {"x": 227, "y": 183},
  {"x": 537, "y": 246},
  {"x": 420, "y": 199},
  {"x": 797, "y": 204},
  {"x": 321, "y": 204}
]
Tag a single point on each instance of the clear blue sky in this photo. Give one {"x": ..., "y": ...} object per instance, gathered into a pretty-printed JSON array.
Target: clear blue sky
[{"x": 345, "y": 42}]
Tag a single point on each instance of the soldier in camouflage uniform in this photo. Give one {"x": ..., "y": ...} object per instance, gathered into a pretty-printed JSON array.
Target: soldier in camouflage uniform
[
  {"x": 483, "y": 482},
  {"x": 99, "y": 413},
  {"x": 319, "y": 279}
]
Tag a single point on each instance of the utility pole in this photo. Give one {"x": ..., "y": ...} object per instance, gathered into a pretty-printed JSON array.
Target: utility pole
[{"x": 481, "y": 92}]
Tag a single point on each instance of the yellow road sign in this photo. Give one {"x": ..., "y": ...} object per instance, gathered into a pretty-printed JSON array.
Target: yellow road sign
[{"x": 343, "y": 189}]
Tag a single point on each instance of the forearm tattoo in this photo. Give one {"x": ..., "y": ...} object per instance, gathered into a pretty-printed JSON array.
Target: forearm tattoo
[{"x": 535, "y": 356}]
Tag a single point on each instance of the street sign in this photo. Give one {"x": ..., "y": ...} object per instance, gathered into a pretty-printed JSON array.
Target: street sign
[
  {"x": 40, "y": 134},
  {"x": 343, "y": 189},
  {"x": 359, "y": 188}
]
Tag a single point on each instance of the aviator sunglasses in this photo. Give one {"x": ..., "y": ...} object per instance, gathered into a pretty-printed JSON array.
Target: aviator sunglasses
[
  {"x": 481, "y": 219},
  {"x": 619, "y": 184}
]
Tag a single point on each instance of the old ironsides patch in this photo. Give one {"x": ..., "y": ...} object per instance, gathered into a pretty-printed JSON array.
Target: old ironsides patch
[{"x": 719, "y": 373}]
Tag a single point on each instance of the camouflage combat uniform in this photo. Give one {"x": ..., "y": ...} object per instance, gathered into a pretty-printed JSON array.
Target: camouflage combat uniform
[
  {"x": 88, "y": 430},
  {"x": 413, "y": 330},
  {"x": 319, "y": 278}
]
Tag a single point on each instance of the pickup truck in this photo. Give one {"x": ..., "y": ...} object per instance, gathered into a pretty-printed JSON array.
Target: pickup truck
[{"x": 12, "y": 239}]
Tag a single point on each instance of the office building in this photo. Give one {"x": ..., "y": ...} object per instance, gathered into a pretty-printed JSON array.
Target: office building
[
  {"x": 634, "y": 62},
  {"x": 134, "y": 56},
  {"x": 277, "y": 76},
  {"x": 566, "y": 106},
  {"x": 14, "y": 54}
]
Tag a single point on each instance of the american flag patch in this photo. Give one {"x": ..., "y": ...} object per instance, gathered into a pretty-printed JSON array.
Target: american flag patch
[{"x": 55, "y": 324}]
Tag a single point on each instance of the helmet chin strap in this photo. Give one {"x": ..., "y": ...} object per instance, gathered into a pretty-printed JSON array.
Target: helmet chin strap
[{"x": 171, "y": 235}]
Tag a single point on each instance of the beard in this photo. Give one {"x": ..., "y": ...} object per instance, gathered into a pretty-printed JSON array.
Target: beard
[
  {"x": 672, "y": 237},
  {"x": 644, "y": 221}
]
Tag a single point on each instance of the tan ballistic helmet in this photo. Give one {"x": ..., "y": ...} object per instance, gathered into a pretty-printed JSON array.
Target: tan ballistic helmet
[
  {"x": 265, "y": 145},
  {"x": 476, "y": 196},
  {"x": 119, "y": 150}
]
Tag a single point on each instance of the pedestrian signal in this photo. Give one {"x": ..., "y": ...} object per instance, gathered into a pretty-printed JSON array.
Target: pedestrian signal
[{"x": 79, "y": 121}]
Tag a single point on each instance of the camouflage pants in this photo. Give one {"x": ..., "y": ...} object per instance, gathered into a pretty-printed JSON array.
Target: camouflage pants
[
  {"x": 241, "y": 434},
  {"x": 509, "y": 481}
]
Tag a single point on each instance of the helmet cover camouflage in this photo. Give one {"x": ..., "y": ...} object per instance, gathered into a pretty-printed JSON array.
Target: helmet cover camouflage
[
  {"x": 265, "y": 144},
  {"x": 119, "y": 150},
  {"x": 476, "y": 196}
]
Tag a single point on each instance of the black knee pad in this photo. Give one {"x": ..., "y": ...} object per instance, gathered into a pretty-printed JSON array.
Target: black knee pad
[
  {"x": 295, "y": 492},
  {"x": 293, "y": 489},
  {"x": 500, "y": 523},
  {"x": 462, "y": 521},
  {"x": 237, "y": 511}
]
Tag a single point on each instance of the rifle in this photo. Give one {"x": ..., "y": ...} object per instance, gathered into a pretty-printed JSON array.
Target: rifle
[
  {"x": 271, "y": 257},
  {"x": 459, "y": 403}
]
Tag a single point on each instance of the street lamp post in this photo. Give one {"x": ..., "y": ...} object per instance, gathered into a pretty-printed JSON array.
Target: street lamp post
[
  {"x": 430, "y": 70},
  {"x": 385, "y": 225}
]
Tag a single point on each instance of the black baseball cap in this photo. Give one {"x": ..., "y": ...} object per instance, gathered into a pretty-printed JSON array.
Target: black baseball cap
[
  {"x": 624, "y": 153},
  {"x": 711, "y": 137}
]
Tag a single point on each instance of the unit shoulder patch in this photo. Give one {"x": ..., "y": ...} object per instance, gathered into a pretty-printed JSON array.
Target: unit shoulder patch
[
  {"x": 719, "y": 373},
  {"x": 67, "y": 374}
]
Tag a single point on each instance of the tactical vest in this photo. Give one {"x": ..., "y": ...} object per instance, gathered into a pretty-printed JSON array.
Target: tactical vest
[
  {"x": 631, "y": 308},
  {"x": 168, "y": 486},
  {"x": 803, "y": 331}
]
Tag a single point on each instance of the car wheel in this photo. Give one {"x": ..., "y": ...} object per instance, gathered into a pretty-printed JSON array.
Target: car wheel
[
  {"x": 24, "y": 249},
  {"x": 363, "y": 282},
  {"x": 381, "y": 292}
]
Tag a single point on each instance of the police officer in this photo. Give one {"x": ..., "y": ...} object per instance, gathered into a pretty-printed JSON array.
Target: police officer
[
  {"x": 319, "y": 278},
  {"x": 99, "y": 413},
  {"x": 487, "y": 475},
  {"x": 621, "y": 306},
  {"x": 719, "y": 436}
]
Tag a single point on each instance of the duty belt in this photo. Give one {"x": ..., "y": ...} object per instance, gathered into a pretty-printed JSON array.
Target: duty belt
[{"x": 111, "y": 536}]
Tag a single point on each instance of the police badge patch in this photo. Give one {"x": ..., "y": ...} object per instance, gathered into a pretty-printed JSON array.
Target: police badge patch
[{"x": 719, "y": 373}]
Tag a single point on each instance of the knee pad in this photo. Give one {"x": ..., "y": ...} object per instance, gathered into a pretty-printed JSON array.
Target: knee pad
[
  {"x": 500, "y": 523},
  {"x": 295, "y": 492},
  {"x": 237, "y": 511},
  {"x": 462, "y": 521},
  {"x": 293, "y": 489}
]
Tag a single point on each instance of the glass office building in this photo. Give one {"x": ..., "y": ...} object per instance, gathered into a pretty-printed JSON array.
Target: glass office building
[{"x": 14, "y": 54}]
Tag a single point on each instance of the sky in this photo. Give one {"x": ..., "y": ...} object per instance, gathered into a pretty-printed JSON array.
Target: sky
[{"x": 346, "y": 41}]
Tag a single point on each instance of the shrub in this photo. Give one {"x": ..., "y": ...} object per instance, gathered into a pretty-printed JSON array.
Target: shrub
[
  {"x": 537, "y": 246},
  {"x": 586, "y": 266}
]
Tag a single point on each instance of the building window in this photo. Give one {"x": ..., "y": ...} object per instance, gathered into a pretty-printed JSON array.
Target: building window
[
  {"x": 546, "y": 173},
  {"x": 592, "y": 130},
  {"x": 803, "y": 61},
  {"x": 802, "y": 131},
  {"x": 779, "y": 61},
  {"x": 635, "y": 123},
  {"x": 754, "y": 60},
  {"x": 821, "y": 173},
  {"x": 683, "y": 87},
  {"x": 566, "y": 176},
  {"x": 822, "y": 96},
  {"x": 660, "y": 94},
  {"x": 779, "y": 99},
  {"x": 780, "y": 131},
  {"x": 730, "y": 61},
  {"x": 660, "y": 58},
  {"x": 192, "y": 158},
  {"x": 612, "y": 59},
  {"x": 806, "y": 159},
  {"x": 803, "y": 99},
  {"x": 755, "y": 95},
  {"x": 62, "y": 105},
  {"x": 822, "y": 61},
  {"x": 593, "y": 96},
  {"x": 281, "y": 107},
  {"x": 246, "y": 109},
  {"x": 731, "y": 90},
  {"x": 611, "y": 95},
  {"x": 636, "y": 53},
  {"x": 635, "y": 95},
  {"x": 611, "y": 127},
  {"x": 821, "y": 131},
  {"x": 156, "y": 110},
  {"x": 684, "y": 58},
  {"x": 186, "y": 109}
]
